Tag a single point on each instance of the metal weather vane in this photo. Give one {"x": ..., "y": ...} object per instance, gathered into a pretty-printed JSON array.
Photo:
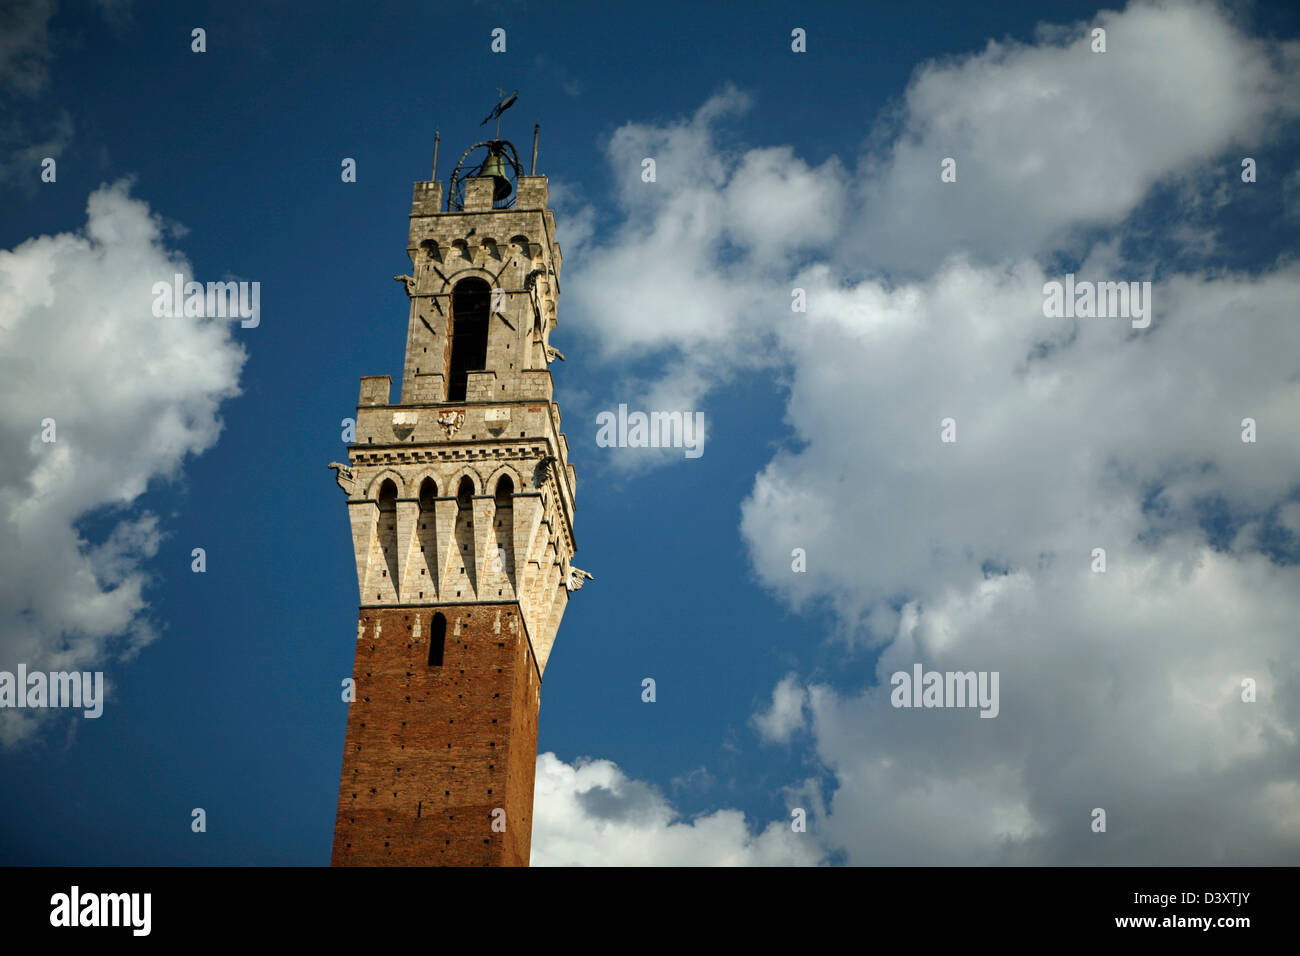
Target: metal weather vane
[{"x": 501, "y": 107}]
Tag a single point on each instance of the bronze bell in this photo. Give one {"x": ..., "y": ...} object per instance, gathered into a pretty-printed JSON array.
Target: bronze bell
[{"x": 496, "y": 168}]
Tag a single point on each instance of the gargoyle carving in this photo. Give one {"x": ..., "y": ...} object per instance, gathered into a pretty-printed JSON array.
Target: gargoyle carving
[
  {"x": 543, "y": 469},
  {"x": 575, "y": 578},
  {"x": 343, "y": 475},
  {"x": 410, "y": 283}
]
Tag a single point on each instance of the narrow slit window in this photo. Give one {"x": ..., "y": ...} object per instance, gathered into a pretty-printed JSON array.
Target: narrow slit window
[{"x": 437, "y": 639}]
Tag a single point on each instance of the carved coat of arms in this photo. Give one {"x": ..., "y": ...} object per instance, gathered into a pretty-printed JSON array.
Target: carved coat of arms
[{"x": 451, "y": 420}]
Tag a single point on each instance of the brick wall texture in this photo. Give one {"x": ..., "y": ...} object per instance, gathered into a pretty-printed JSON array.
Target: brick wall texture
[{"x": 434, "y": 753}]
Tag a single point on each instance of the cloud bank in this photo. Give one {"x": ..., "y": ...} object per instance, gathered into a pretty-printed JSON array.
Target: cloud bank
[{"x": 1120, "y": 690}]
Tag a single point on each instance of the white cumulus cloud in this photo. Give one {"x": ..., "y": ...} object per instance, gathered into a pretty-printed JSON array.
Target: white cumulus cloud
[
  {"x": 590, "y": 813},
  {"x": 785, "y": 717},
  {"x": 1120, "y": 690},
  {"x": 130, "y": 396}
]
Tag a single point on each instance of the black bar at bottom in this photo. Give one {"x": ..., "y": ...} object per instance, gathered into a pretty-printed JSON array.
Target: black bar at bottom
[{"x": 385, "y": 905}]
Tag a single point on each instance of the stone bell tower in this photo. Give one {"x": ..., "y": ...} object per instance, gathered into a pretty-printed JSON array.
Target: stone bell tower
[{"x": 460, "y": 501}]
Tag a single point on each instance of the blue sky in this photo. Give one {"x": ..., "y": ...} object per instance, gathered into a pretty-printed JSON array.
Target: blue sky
[{"x": 776, "y": 170}]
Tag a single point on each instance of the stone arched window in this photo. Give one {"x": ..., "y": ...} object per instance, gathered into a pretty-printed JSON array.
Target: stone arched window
[
  {"x": 428, "y": 492},
  {"x": 471, "y": 302},
  {"x": 465, "y": 494},
  {"x": 505, "y": 492}
]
